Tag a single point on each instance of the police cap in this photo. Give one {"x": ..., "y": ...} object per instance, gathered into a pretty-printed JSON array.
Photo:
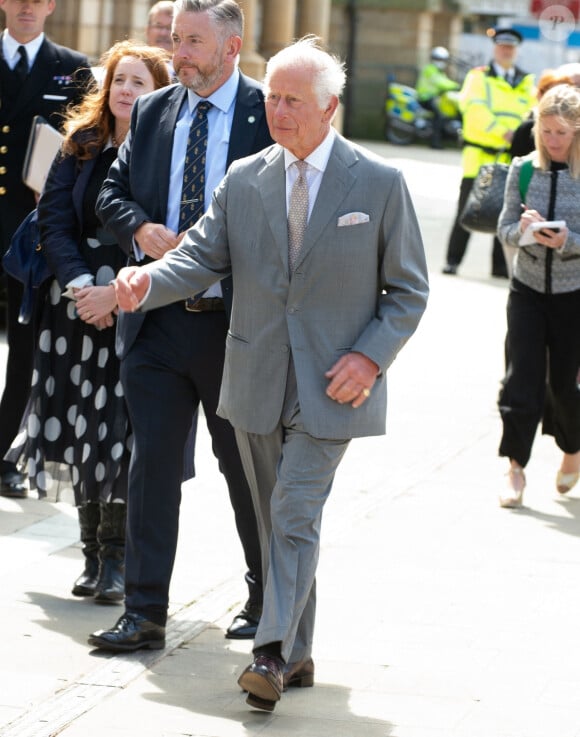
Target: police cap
[{"x": 507, "y": 36}]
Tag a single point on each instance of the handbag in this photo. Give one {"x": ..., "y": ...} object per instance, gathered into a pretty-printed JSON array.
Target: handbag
[
  {"x": 484, "y": 204},
  {"x": 25, "y": 261},
  {"x": 485, "y": 201}
]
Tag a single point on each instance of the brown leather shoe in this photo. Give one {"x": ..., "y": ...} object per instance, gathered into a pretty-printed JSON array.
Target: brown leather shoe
[
  {"x": 299, "y": 674},
  {"x": 263, "y": 680}
]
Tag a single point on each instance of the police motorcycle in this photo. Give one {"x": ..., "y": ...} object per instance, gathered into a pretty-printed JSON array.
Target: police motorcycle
[{"x": 407, "y": 121}]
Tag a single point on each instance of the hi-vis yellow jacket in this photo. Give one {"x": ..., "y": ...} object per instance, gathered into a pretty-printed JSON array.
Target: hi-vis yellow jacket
[
  {"x": 490, "y": 107},
  {"x": 433, "y": 82}
]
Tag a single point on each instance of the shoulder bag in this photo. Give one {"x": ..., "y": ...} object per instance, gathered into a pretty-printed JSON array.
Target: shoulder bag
[
  {"x": 484, "y": 204},
  {"x": 25, "y": 261}
]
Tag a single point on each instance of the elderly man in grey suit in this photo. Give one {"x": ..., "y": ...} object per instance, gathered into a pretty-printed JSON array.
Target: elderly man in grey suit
[{"x": 321, "y": 310}]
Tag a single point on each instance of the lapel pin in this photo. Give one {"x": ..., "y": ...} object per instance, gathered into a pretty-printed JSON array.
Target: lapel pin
[{"x": 251, "y": 119}]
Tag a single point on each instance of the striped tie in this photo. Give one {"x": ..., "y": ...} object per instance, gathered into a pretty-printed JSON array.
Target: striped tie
[{"x": 192, "y": 192}]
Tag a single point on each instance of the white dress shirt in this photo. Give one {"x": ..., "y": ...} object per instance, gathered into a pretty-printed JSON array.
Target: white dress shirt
[
  {"x": 10, "y": 48},
  {"x": 317, "y": 162}
]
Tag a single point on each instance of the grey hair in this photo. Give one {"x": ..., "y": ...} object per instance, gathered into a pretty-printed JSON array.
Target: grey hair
[
  {"x": 226, "y": 14},
  {"x": 328, "y": 71}
]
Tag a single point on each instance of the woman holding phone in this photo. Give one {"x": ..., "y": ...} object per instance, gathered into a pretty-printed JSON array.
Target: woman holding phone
[{"x": 543, "y": 310}]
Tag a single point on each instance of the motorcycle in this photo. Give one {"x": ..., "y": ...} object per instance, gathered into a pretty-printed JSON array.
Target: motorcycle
[{"x": 406, "y": 120}]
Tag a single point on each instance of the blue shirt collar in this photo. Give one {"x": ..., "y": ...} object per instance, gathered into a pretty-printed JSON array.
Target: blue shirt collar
[{"x": 223, "y": 98}]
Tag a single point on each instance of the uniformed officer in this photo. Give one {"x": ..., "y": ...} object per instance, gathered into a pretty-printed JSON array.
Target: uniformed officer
[
  {"x": 494, "y": 99},
  {"x": 37, "y": 77}
]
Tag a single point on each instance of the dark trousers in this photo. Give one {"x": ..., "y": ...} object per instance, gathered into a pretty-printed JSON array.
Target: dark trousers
[
  {"x": 175, "y": 363},
  {"x": 543, "y": 339},
  {"x": 21, "y": 346},
  {"x": 459, "y": 237},
  {"x": 436, "y": 122}
]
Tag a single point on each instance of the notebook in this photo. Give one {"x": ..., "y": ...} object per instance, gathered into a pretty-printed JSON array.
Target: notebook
[{"x": 43, "y": 144}]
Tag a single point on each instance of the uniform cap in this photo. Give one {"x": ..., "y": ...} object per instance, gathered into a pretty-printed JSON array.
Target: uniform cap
[{"x": 506, "y": 36}]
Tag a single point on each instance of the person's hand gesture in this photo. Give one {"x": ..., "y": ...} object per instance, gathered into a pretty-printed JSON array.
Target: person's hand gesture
[
  {"x": 131, "y": 286},
  {"x": 155, "y": 240},
  {"x": 351, "y": 379}
]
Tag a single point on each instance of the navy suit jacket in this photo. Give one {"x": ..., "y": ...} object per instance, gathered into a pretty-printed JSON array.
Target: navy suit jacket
[{"x": 137, "y": 187}]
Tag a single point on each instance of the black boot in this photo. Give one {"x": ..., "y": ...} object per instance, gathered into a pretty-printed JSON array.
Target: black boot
[
  {"x": 89, "y": 516},
  {"x": 110, "y": 587}
]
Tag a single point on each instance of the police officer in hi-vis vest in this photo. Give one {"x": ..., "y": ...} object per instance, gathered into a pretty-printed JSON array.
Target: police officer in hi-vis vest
[{"x": 493, "y": 100}]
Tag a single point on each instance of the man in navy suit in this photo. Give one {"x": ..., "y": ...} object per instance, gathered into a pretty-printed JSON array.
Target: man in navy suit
[
  {"x": 40, "y": 80},
  {"x": 172, "y": 358}
]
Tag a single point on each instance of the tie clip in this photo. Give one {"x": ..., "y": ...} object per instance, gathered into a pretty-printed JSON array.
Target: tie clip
[{"x": 188, "y": 202}]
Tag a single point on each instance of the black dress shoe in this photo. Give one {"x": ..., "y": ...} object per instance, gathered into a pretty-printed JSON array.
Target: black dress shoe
[
  {"x": 131, "y": 632},
  {"x": 12, "y": 485},
  {"x": 264, "y": 682},
  {"x": 449, "y": 269},
  {"x": 299, "y": 674},
  {"x": 245, "y": 623}
]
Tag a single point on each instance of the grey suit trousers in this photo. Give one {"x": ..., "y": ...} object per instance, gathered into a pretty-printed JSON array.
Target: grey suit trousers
[{"x": 290, "y": 474}]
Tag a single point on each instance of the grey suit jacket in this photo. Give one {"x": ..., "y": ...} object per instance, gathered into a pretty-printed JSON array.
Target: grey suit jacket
[{"x": 360, "y": 287}]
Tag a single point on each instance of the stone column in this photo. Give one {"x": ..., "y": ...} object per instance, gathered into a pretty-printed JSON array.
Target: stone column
[
  {"x": 251, "y": 63},
  {"x": 314, "y": 18},
  {"x": 278, "y": 25},
  {"x": 139, "y": 13},
  {"x": 62, "y": 25}
]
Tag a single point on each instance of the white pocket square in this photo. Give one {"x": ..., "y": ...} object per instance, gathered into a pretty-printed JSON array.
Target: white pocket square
[{"x": 352, "y": 218}]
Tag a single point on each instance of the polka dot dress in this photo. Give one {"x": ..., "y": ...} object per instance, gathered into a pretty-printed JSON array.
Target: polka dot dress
[{"x": 75, "y": 433}]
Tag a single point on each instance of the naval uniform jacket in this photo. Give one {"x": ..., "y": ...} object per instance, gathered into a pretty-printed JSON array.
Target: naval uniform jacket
[{"x": 59, "y": 76}]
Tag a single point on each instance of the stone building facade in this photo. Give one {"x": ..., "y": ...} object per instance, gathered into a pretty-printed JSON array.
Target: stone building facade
[{"x": 372, "y": 35}]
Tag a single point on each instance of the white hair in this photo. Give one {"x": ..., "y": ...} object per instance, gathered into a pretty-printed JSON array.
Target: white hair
[{"x": 328, "y": 71}]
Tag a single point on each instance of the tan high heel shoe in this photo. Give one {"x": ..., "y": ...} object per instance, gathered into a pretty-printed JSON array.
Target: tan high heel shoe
[
  {"x": 566, "y": 481},
  {"x": 568, "y": 478},
  {"x": 511, "y": 497}
]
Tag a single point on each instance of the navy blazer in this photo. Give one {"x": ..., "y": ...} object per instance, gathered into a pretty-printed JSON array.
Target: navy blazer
[
  {"x": 137, "y": 187},
  {"x": 60, "y": 217}
]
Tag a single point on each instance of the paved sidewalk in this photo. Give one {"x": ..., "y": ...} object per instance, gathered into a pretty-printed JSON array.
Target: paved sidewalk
[{"x": 440, "y": 615}]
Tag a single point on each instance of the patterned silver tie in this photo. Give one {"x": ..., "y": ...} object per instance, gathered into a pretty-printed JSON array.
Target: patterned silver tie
[{"x": 297, "y": 214}]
